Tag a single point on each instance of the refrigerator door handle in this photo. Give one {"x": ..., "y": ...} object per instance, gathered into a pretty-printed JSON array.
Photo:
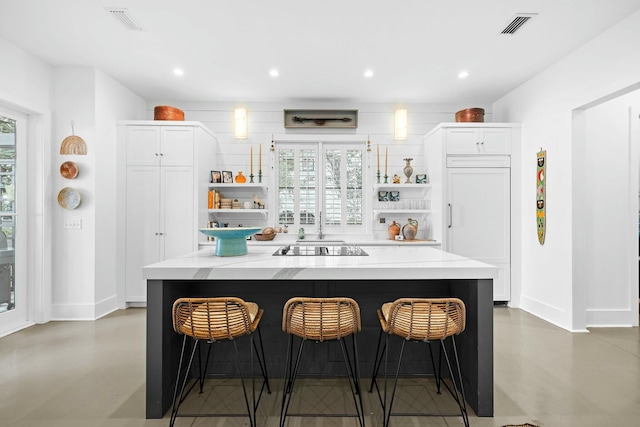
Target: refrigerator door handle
[{"x": 450, "y": 215}]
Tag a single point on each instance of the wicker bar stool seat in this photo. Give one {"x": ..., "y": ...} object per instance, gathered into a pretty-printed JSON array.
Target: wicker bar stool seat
[
  {"x": 322, "y": 320},
  {"x": 424, "y": 320},
  {"x": 213, "y": 320}
]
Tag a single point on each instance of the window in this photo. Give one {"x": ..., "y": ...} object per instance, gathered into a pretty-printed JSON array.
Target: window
[{"x": 320, "y": 184}]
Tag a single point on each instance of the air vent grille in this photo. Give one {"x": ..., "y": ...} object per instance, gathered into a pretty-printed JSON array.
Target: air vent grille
[
  {"x": 125, "y": 18},
  {"x": 517, "y": 22}
]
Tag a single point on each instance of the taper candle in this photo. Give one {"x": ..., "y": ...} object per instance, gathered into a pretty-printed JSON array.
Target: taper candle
[
  {"x": 260, "y": 158},
  {"x": 251, "y": 159},
  {"x": 378, "y": 152},
  {"x": 386, "y": 159}
]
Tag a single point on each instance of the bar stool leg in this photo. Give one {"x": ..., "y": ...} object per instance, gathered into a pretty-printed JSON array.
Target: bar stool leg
[
  {"x": 353, "y": 377},
  {"x": 291, "y": 372},
  {"x": 459, "y": 397},
  {"x": 376, "y": 364},
  {"x": 178, "y": 397},
  {"x": 263, "y": 364}
]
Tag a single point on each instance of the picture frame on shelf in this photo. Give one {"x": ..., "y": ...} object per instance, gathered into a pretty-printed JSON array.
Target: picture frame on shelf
[
  {"x": 227, "y": 177},
  {"x": 394, "y": 196},
  {"x": 421, "y": 178},
  {"x": 383, "y": 196},
  {"x": 216, "y": 178}
]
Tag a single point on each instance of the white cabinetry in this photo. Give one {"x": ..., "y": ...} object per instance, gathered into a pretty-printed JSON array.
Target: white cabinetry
[
  {"x": 470, "y": 170},
  {"x": 165, "y": 171}
]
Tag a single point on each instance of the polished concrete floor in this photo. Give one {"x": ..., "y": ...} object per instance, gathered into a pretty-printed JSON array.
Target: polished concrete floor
[{"x": 76, "y": 374}]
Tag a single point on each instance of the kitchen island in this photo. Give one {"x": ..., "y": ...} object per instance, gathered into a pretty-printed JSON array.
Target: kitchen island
[{"x": 385, "y": 274}]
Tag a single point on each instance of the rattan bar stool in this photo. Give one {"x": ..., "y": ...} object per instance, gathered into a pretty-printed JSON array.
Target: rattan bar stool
[
  {"x": 321, "y": 320},
  {"x": 213, "y": 320},
  {"x": 423, "y": 320}
]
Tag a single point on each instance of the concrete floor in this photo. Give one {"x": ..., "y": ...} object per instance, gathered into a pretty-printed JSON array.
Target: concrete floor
[{"x": 92, "y": 374}]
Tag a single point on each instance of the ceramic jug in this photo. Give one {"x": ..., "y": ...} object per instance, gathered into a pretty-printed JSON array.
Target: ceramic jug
[
  {"x": 393, "y": 230},
  {"x": 410, "y": 229}
]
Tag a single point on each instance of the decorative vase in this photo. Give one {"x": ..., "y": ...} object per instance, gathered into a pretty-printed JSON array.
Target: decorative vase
[
  {"x": 393, "y": 230},
  {"x": 408, "y": 170},
  {"x": 240, "y": 179},
  {"x": 410, "y": 229}
]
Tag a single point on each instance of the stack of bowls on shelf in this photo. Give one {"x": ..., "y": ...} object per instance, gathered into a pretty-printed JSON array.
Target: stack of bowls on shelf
[
  {"x": 225, "y": 203},
  {"x": 236, "y": 204}
]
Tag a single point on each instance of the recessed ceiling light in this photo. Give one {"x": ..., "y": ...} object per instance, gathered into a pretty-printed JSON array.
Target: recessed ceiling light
[
  {"x": 274, "y": 73},
  {"x": 463, "y": 74},
  {"x": 368, "y": 73},
  {"x": 178, "y": 71}
]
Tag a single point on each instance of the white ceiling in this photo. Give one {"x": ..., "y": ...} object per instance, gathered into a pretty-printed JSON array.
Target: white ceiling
[{"x": 416, "y": 48}]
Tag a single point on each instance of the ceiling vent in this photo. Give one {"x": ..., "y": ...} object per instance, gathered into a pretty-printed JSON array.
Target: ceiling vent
[
  {"x": 517, "y": 22},
  {"x": 125, "y": 18}
]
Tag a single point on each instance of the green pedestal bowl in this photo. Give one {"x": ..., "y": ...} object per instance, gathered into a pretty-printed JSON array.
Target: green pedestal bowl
[{"x": 231, "y": 241}]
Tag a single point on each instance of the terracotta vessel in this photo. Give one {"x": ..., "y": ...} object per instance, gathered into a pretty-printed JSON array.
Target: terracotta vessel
[
  {"x": 410, "y": 229},
  {"x": 393, "y": 230},
  {"x": 240, "y": 179},
  {"x": 470, "y": 115}
]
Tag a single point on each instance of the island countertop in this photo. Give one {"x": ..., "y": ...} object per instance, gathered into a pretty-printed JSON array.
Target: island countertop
[
  {"x": 387, "y": 273},
  {"x": 382, "y": 263}
]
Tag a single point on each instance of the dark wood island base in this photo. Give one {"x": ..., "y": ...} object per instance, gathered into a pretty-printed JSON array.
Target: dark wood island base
[{"x": 475, "y": 344}]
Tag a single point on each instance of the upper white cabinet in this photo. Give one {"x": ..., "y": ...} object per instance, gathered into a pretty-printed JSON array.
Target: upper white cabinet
[
  {"x": 469, "y": 165},
  {"x": 478, "y": 141},
  {"x": 164, "y": 170},
  {"x": 160, "y": 145}
]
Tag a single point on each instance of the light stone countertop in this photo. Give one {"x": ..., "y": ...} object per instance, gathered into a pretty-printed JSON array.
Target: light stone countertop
[{"x": 383, "y": 263}]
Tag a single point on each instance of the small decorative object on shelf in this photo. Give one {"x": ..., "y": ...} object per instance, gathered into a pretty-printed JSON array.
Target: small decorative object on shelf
[
  {"x": 422, "y": 178},
  {"x": 301, "y": 233},
  {"x": 396, "y": 179},
  {"x": 227, "y": 177},
  {"x": 408, "y": 170},
  {"x": 393, "y": 230},
  {"x": 383, "y": 196},
  {"x": 216, "y": 178},
  {"x": 240, "y": 179},
  {"x": 257, "y": 203},
  {"x": 394, "y": 196},
  {"x": 410, "y": 229}
]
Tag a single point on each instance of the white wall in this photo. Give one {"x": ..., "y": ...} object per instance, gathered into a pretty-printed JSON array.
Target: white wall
[
  {"x": 26, "y": 87},
  {"x": 546, "y": 106},
  {"x": 609, "y": 274},
  {"x": 266, "y": 119},
  {"x": 84, "y": 259}
]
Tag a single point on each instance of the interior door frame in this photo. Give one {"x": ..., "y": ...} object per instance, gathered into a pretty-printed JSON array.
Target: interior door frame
[{"x": 22, "y": 314}]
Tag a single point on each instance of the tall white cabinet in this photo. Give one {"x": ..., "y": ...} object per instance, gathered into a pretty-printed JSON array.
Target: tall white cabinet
[
  {"x": 469, "y": 165},
  {"x": 164, "y": 172}
]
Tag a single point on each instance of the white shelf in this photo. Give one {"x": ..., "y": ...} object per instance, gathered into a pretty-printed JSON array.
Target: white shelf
[
  {"x": 378, "y": 212},
  {"x": 423, "y": 187},
  {"x": 240, "y": 187},
  {"x": 245, "y": 213}
]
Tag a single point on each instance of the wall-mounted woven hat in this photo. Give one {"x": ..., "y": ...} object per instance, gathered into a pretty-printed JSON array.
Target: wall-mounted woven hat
[{"x": 73, "y": 144}]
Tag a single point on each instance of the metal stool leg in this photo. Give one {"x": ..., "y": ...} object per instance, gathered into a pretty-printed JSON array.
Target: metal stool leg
[
  {"x": 179, "y": 396},
  {"x": 291, "y": 372},
  {"x": 459, "y": 397},
  {"x": 353, "y": 377},
  {"x": 376, "y": 363}
]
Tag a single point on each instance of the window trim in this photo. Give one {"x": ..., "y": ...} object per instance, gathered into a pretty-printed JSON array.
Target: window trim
[{"x": 321, "y": 141}]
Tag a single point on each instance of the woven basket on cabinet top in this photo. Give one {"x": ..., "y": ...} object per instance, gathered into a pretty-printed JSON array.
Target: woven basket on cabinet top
[{"x": 164, "y": 112}]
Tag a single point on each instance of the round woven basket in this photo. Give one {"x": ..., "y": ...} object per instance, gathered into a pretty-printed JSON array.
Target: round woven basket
[
  {"x": 470, "y": 115},
  {"x": 164, "y": 112},
  {"x": 264, "y": 237}
]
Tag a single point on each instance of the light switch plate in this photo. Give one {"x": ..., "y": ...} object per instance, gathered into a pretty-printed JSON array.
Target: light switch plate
[{"x": 73, "y": 224}]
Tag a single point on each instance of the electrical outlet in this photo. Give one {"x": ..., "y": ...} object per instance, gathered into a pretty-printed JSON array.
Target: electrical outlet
[{"x": 73, "y": 224}]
